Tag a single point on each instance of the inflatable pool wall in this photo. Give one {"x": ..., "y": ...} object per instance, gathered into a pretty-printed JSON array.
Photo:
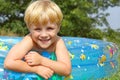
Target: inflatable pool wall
[{"x": 91, "y": 59}]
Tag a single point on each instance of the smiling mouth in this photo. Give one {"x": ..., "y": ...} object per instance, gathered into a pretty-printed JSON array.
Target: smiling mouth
[{"x": 44, "y": 41}]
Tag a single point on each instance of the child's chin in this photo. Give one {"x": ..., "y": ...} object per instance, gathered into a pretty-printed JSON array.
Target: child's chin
[{"x": 44, "y": 46}]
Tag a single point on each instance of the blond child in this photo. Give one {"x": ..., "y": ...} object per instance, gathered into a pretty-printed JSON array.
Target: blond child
[{"x": 43, "y": 19}]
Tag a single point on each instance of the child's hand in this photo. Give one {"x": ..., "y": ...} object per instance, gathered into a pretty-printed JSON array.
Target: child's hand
[
  {"x": 33, "y": 58},
  {"x": 44, "y": 72}
]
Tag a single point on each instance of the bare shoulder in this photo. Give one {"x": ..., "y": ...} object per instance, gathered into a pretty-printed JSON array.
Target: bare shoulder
[
  {"x": 60, "y": 41},
  {"x": 21, "y": 48},
  {"x": 27, "y": 42},
  {"x": 27, "y": 38},
  {"x": 60, "y": 46}
]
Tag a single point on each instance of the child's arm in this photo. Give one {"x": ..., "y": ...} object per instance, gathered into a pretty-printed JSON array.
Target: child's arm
[
  {"x": 14, "y": 60},
  {"x": 62, "y": 66}
]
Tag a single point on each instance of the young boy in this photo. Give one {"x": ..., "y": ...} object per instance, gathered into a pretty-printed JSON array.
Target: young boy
[{"x": 43, "y": 19}]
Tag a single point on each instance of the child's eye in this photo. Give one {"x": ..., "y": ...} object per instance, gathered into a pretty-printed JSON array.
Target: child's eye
[
  {"x": 37, "y": 29},
  {"x": 50, "y": 28}
]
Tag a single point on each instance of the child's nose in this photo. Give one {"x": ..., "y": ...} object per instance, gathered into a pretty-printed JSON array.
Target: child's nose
[{"x": 44, "y": 34}]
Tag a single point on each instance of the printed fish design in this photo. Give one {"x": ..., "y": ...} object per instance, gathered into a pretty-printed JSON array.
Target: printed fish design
[
  {"x": 71, "y": 55},
  {"x": 2, "y": 47},
  {"x": 111, "y": 51},
  {"x": 69, "y": 42},
  {"x": 82, "y": 57},
  {"x": 112, "y": 64},
  {"x": 102, "y": 60},
  {"x": 94, "y": 46}
]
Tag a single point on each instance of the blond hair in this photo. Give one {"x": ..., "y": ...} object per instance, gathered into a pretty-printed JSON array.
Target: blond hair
[{"x": 42, "y": 11}]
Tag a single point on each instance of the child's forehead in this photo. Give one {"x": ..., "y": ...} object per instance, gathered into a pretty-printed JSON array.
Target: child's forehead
[{"x": 48, "y": 24}]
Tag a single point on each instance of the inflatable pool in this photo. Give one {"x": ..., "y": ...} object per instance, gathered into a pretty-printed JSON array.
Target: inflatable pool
[{"x": 91, "y": 59}]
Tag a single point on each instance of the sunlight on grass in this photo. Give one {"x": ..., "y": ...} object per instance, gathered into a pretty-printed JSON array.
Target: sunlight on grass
[{"x": 8, "y": 33}]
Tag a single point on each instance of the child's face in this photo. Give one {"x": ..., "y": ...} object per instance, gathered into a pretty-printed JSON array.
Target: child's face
[{"x": 45, "y": 35}]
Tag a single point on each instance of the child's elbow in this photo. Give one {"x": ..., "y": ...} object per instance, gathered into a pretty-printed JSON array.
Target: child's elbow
[
  {"x": 7, "y": 65},
  {"x": 67, "y": 72}
]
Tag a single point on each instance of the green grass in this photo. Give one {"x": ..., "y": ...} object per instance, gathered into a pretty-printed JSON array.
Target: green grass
[{"x": 6, "y": 33}]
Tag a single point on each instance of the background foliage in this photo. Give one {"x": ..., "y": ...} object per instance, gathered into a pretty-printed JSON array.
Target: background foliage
[{"x": 81, "y": 17}]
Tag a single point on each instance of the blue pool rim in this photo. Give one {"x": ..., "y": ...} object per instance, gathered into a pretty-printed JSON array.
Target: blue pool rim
[{"x": 85, "y": 69}]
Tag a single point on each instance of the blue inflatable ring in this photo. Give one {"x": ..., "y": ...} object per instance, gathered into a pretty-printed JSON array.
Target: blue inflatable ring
[{"x": 90, "y": 58}]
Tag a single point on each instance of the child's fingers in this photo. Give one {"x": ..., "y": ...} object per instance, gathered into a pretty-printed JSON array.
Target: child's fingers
[
  {"x": 30, "y": 63},
  {"x": 49, "y": 74},
  {"x": 27, "y": 57},
  {"x": 44, "y": 76},
  {"x": 31, "y": 52},
  {"x": 28, "y": 60}
]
